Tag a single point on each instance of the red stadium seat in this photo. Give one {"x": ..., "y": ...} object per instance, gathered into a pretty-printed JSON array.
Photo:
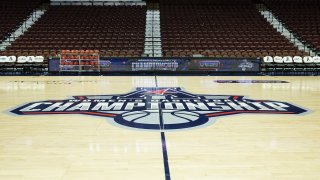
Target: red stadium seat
[{"x": 90, "y": 28}]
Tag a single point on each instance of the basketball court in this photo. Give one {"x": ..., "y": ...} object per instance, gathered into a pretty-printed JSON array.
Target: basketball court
[{"x": 92, "y": 146}]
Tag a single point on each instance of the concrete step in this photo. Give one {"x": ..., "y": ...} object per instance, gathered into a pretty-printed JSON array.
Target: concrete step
[{"x": 152, "y": 46}]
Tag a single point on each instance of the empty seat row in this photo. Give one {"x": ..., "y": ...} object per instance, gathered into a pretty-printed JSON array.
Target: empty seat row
[
  {"x": 50, "y": 52},
  {"x": 119, "y": 30},
  {"x": 220, "y": 29},
  {"x": 302, "y": 17},
  {"x": 238, "y": 53},
  {"x": 13, "y": 13}
]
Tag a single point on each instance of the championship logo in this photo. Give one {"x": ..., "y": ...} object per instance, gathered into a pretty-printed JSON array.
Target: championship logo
[{"x": 164, "y": 108}]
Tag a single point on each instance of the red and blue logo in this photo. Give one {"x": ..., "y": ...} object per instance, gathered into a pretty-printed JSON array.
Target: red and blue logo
[{"x": 163, "y": 108}]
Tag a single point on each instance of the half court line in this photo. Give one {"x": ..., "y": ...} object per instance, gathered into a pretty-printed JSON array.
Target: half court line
[{"x": 163, "y": 142}]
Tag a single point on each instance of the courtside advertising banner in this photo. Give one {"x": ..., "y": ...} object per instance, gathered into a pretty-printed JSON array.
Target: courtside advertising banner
[
  {"x": 180, "y": 65},
  {"x": 107, "y": 64}
]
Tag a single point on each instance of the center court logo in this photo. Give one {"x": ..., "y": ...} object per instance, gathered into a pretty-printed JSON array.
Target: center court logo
[{"x": 164, "y": 108}]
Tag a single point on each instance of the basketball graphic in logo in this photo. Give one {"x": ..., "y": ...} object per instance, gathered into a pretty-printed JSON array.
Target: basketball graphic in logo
[
  {"x": 152, "y": 120},
  {"x": 165, "y": 108}
]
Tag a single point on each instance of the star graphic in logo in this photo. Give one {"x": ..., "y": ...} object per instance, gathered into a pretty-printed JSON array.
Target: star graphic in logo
[{"x": 157, "y": 92}]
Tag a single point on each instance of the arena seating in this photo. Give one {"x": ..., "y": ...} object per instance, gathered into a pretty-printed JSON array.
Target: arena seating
[
  {"x": 13, "y": 13},
  {"x": 300, "y": 16},
  {"x": 219, "y": 29},
  {"x": 113, "y": 30}
]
